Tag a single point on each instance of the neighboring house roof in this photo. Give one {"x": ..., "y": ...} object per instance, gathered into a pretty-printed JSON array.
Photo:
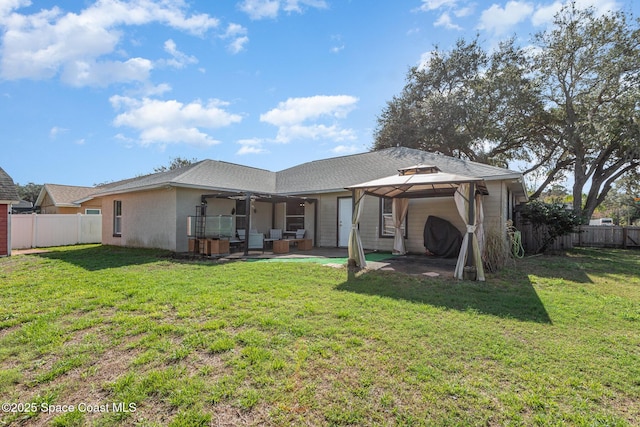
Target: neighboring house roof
[
  {"x": 320, "y": 176},
  {"x": 64, "y": 195},
  {"x": 8, "y": 190}
]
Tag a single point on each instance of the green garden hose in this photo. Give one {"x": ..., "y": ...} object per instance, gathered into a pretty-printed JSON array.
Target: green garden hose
[{"x": 516, "y": 244}]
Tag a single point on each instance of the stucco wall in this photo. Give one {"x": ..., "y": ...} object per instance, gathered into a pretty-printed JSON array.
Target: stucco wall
[
  {"x": 495, "y": 208},
  {"x": 158, "y": 218},
  {"x": 328, "y": 218},
  {"x": 148, "y": 219},
  {"x": 47, "y": 206}
]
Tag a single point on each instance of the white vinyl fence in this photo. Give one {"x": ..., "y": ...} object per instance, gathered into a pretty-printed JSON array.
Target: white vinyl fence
[{"x": 43, "y": 230}]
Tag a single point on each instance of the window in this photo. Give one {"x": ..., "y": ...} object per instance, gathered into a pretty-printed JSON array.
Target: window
[
  {"x": 386, "y": 219},
  {"x": 241, "y": 214},
  {"x": 117, "y": 218},
  {"x": 295, "y": 215},
  {"x": 92, "y": 211}
]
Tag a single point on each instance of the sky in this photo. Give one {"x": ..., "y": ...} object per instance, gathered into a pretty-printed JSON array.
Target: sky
[{"x": 98, "y": 91}]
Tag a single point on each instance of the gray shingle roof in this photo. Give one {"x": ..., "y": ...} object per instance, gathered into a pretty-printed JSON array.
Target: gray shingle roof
[
  {"x": 8, "y": 190},
  {"x": 339, "y": 172},
  {"x": 206, "y": 174},
  {"x": 318, "y": 176}
]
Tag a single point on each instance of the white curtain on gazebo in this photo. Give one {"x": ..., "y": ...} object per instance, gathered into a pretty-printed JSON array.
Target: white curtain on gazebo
[
  {"x": 463, "y": 201},
  {"x": 399, "y": 208},
  {"x": 356, "y": 252},
  {"x": 480, "y": 221}
]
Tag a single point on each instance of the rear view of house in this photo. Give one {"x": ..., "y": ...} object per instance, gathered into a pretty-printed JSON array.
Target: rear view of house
[
  {"x": 8, "y": 196},
  {"x": 152, "y": 211}
]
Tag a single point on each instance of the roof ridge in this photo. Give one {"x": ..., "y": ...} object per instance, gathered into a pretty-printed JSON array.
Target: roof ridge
[
  {"x": 238, "y": 164},
  {"x": 456, "y": 159}
]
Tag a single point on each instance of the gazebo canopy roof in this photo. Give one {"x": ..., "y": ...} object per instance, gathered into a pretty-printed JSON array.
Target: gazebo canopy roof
[{"x": 419, "y": 181}]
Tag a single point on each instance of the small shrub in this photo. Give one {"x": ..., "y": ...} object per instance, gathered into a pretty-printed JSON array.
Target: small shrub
[
  {"x": 552, "y": 219},
  {"x": 496, "y": 250}
]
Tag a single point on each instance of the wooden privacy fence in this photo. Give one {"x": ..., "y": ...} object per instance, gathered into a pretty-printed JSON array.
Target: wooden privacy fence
[
  {"x": 599, "y": 236},
  {"x": 610, "y": 236},
  {"x": 43, "y": 230}
]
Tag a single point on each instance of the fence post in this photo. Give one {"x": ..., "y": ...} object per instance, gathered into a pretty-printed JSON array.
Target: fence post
[
  {"x": 79, "y": 228},
  {"x": 34, "y": 230}
]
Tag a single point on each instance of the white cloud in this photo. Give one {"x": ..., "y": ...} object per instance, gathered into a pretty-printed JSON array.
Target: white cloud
[
  {"x": 297, "y": 110},
  {"x": 55, "y": 131},
  {"x": 345, "y": 149},
  {"x": 601, "y": 7},
  {"x": 306, "y": 118},
  {"x": 50, "y": 42},
  {"x": 445, "y": 21},
  {"x": 91, "y": 73},
  {"x": 425, "y": 60},
  {"x": 179, "y": 59},
  {"x": 428, "y": 5},
  {"x": 171, "y": 122},
  {"x": 448, "y": 7},
  {"x": 251, "y": 146},
  {"x": 155, "y": 90},
  {"x": 463, "y": 11},
  {"x": 500, "y": 20},
  {"x": 262, "y": 9},
  {"x": 238, "y": 36},
  {"x": 544, "y": 14},
  {"x": 339, "y": 44}
]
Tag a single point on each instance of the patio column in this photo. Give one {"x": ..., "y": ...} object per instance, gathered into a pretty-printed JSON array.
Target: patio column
[
  {"x": 356, "y": 252},
  {"x": 247, "y": 222},
  {"x": 399, "y": 208},
  {"x": 470, "y": 254}
]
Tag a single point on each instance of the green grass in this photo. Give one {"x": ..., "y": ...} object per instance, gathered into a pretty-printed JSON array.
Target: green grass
[{"x": 550, "y": 341}]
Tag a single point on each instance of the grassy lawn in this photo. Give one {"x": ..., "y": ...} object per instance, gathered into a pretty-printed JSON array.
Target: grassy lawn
[{"x": 551, "y": 341}]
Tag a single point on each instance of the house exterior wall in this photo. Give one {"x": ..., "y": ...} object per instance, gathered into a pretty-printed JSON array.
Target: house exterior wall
[
  {"x": 188, "y": 199},
  {"x": 495, "y": 208},
  {"x": 148, "y": 220},
  {"x": 5, "y": 244},
  {"x": 48, "y": 207},
  {"x": 328, "y": 218},
  {"x": 419, "y": 210},
  {"x": 158, "y": 218},
  {"x": 279, "y": 219},
  {"x": 261, "y": 219}
]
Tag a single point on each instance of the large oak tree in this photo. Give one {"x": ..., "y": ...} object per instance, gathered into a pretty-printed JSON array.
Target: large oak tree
[{"x": 567, "y": 107}]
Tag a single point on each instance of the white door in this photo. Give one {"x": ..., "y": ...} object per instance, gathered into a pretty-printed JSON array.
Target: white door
[{"x": 345, "y": 209}]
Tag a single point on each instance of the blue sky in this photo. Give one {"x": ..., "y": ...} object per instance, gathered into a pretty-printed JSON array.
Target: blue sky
[{"x": 97, "y": 91}]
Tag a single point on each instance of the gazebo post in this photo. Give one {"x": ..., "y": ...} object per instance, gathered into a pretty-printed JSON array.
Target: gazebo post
[
  {"x": 351, "y": 263},
  {"x": 247, "y": 222},
  {"x": 472, "y": 221}
]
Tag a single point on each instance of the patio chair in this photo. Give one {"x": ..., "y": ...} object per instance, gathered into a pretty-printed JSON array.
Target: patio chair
[
  {"x": 275, "y": 234},
  {"x": 256, "y": 241},
  {"x": 299, "y": 235}
]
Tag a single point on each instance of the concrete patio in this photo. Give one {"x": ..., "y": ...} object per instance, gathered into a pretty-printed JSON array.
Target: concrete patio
[{"x": 413, "y": 264}]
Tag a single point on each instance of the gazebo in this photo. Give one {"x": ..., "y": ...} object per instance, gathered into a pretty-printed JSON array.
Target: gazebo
[{"x": 423, "y": 181}]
